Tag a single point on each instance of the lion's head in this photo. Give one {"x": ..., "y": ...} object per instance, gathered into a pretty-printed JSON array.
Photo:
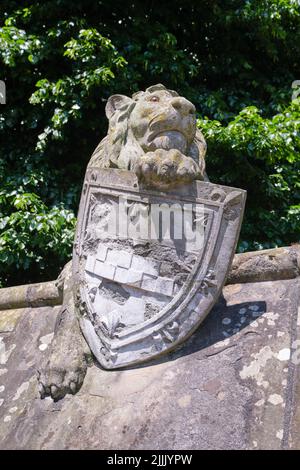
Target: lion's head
[{"x": 152, "y": 120}]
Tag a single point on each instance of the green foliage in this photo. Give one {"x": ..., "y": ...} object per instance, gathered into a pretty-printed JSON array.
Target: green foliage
[
  {"x": 35, "y": 240},
  {"x": 32, "y": 233},
  {"x": 60, "y": 60},
  {"x": 262, "y": 156},
  {"x": 94, "y": 64}
]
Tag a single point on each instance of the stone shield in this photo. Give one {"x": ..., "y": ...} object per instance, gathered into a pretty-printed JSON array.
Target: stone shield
[{"x": 148, "y": 266}]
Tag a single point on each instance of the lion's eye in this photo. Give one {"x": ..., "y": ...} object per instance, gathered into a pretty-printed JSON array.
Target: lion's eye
[{"x": 154, "y": 99}]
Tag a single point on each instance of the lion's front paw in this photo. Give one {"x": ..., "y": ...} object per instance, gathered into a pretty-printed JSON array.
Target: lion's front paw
[
  {"x": 56, "y": 383},
  {"x": 166, "y": 168},
  {"x": 59, "y": 377}
]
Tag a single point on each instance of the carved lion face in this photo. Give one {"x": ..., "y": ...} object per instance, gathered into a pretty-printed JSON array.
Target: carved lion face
[
  {"x": 162, "y": 119},
  {"x": 153, "y": 119}
]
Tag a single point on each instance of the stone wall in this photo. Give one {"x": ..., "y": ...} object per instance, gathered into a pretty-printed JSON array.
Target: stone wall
[{"x": 233, "y": 385}]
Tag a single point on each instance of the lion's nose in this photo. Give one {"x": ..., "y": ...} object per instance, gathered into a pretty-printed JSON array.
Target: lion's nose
[{"x": 182, "y": 105}]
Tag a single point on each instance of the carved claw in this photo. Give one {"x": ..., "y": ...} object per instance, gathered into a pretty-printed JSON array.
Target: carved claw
[
  {"x": 42, "y": 391},
  {"x": 73, "y": 387},
  {"x": 54, "y": 391}
]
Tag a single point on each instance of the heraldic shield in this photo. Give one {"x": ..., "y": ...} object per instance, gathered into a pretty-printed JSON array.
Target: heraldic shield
[{"x": 149, "y": 265}]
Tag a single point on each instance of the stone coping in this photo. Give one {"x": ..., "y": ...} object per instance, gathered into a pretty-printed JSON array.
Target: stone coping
[
  {"x": 233, "y": 385},
  {"x": 256, "y": 266},
  {"x": 30, "y": 295}
]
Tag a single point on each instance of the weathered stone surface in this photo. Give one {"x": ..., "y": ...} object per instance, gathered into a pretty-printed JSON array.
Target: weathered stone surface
[
  {"x": 152, "y": 146},
  {"x": 265, "y": 265},
  {"x": 132, "y": 307},
  {"x": 154, "y": 134},
  {"x": 9, "y": 319},
  {"x": 246, "y": 267},
  {"x": 120, "y": 244},
  {"x": 30, "y": 295},
  {"x": 233, "y": 385}
]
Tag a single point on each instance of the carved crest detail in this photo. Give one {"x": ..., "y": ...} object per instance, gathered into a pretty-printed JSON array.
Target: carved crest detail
[{"x": 140, "y": 291}]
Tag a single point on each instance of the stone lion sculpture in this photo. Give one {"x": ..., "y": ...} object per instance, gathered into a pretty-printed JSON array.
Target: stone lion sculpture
[{"x": 153, "y": 134}]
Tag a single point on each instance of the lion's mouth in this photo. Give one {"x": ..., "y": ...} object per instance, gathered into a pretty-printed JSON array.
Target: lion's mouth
[{"x": 170, "y": 133}]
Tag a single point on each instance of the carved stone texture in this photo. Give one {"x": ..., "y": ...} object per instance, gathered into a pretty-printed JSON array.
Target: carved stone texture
[
  {"x": 141, "y": 285},
  {"x": 138, "y": 289},
  {"x": 153, "y": 134},
  {"x": 233, "y": 385}
]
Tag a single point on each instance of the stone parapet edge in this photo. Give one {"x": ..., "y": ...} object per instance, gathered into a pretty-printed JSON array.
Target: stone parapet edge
[{"x": 256, "y": 266}]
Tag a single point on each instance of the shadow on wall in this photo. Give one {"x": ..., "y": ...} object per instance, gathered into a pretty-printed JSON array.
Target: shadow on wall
[{"x": 224, "y": 321}]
